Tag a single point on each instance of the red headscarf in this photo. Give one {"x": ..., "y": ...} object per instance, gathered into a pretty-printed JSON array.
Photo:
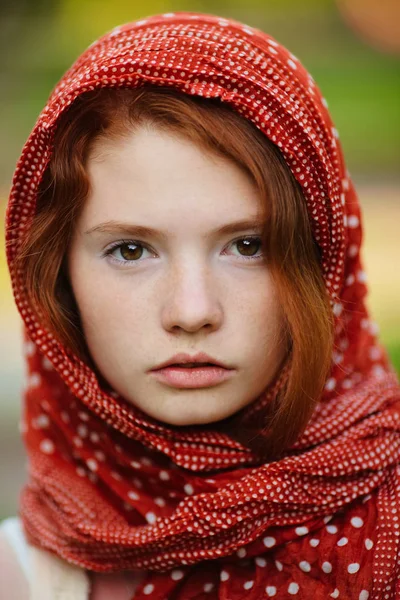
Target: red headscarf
[{"x": 111, "y": 489}]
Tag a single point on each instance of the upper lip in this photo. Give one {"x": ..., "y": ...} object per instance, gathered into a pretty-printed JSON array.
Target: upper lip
[{"x": 183, "y": 358}]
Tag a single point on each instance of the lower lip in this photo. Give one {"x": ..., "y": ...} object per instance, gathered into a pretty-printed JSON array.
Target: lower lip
[{"x": 192, "y": 377}]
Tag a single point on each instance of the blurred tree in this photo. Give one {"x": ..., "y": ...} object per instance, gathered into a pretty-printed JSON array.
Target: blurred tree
[
  {"x": 25, "y": 7},
  {"x": 14, "y": 14},
  {"x": 92, "y": 18},
  {"x": 40, "y": 39},
  {"x": 80, "y": 15},
  {"x": 377, "y": 21}
]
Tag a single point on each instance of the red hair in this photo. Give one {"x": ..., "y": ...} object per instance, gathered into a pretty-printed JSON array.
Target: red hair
[{"x": 293, "y": 257}]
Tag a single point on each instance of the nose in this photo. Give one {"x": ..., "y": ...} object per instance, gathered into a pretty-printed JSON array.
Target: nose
[{"x": 191, "y": 301}]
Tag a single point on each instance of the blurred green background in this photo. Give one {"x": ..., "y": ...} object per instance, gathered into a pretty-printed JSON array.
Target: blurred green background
[{"x": 40, "y": 40}]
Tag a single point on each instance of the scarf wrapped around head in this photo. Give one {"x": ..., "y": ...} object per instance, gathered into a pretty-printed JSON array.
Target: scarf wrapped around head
[{"x": 110, "y": 489}]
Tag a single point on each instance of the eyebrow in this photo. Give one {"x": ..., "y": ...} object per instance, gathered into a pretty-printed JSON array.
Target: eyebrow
[{"x": 115, "y": 227}]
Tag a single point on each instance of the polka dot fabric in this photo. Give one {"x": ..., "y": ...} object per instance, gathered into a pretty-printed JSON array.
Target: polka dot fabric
[{"x": 111, "y": 489}]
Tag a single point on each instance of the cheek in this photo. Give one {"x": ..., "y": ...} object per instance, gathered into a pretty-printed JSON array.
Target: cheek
[
  {"x": 261, "y": 321},
  {"x": 112, "y": 313},
  {"x": 118, "y": 315},
  {"x": 259, "y": 307}
]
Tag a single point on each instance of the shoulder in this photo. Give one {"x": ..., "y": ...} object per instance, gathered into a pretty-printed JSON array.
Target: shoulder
[
  {"x": 14, "y": 583},
  {"x": 30, "y": 572}
]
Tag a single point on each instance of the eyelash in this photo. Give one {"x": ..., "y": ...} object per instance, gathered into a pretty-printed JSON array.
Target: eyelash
[{"x": 108, "y": 252}]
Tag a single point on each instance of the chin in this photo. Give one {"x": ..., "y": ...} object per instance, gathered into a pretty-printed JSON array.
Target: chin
[{"x": 183, "y": 419}]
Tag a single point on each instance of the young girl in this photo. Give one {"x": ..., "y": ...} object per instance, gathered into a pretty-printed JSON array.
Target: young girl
[{"x": 208, "y": 413}]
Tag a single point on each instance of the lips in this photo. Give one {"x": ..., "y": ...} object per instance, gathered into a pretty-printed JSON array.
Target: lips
[
  {"x": 199, "y": 360},
  {"x": 187, "y": 377},
  {"x": 193, "y": 365}
]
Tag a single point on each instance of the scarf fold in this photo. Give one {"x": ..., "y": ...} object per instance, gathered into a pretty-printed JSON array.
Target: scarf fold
[{"x": 112, "y": 489}]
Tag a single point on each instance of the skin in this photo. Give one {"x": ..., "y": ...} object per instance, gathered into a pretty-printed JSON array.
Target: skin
[{"x": 192, "y": 291}]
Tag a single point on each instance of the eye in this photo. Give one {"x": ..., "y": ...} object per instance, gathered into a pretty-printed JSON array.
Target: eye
[
  {"x": 125, "y": 251},
  {"x": 128, "y": 252},
  {"x": 248, "y": 247}
]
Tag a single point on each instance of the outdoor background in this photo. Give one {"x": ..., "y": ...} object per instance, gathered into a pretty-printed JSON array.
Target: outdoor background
[{"x": 354, "y": 58}]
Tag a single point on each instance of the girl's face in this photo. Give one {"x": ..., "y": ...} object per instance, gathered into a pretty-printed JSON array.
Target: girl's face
[{"x": 159, "y": 266}]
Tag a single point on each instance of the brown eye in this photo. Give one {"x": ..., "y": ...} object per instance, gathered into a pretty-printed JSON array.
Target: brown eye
[
  {"x": 131, "y": 251},
  {"x": 248, "y": 246},
  {"x": 125, "y": 253}
]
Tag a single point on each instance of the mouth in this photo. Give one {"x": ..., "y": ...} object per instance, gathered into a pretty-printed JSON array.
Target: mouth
[
  {"x": 192, "y": 375},
  {"x": 193, "y": 365},
  {"x": 190, "y": 361}
]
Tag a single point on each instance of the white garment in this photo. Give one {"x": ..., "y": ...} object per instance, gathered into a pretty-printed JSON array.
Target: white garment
[{"x": 49, "y": 577}]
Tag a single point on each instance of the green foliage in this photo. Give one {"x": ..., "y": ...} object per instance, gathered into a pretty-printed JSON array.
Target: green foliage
[
  {"x": 364, "y": 104},
  {"x": 394, "y": 353},
  {"x": 361, "y": 85}
]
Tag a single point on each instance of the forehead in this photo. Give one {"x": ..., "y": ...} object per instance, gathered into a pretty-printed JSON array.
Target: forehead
[{"x": 151, "y": 171}]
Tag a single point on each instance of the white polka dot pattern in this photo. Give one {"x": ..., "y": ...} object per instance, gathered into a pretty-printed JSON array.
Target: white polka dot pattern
[{"x": 124, "y": 492}]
